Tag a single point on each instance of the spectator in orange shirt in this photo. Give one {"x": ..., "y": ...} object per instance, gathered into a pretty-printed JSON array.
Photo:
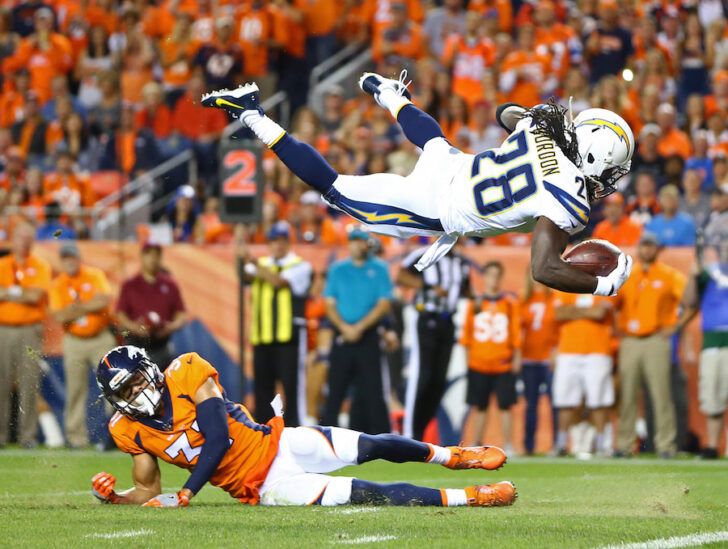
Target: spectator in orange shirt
[
  {"x": 556, "y": 40},
  {"x": 72, "y": 190},
  {"x": 673, "y": 140},
  {"x": 24, "y": 281},
  {"x": 525, "y": 75},
  {"x": 467, "y": 56},
  {"x": 617, "y": 227},
  {"x": 254, "y": 33},
  {"x": 176, "y": 52},
  {"x": 492, "y": 338},
  {"x": 45, "y": 53},
  {"x": 155, "y": 115},
  {"x": 312, "y": 226},
  {"x": 401, "y": 37},
  {"x": 79, "y": 300},
  {"x": 200, "y": 125},
  {"x": 14, "y": 173},
  {"x": 12, "y": 100},
  {"x": 289, "y": 42},
  {"x": 208, "y": 228},
  {"x": 540, "y": 333}
]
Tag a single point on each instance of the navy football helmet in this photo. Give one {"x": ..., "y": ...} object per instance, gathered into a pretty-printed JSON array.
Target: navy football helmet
[{"x": 130, "y": 381}]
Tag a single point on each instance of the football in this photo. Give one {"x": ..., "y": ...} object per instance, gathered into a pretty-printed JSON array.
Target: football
[{"x": 596, "y": 257}]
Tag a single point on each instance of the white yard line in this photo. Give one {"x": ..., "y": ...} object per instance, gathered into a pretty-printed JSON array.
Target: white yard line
[
  {"x": 621, "y": 462},
  {"x": 355, "y": 510},
  {"x": 116, "y": 535},
  {"x": 693, "y": 540},
  {"x": 367, "y": 539},
  {"x": 48, "y": 495}
]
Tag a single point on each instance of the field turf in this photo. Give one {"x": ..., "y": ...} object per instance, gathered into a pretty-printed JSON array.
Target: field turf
[{"x": 45, "y": 501}]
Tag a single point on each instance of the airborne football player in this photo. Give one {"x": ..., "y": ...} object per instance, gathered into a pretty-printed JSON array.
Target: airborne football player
[{"x": 541, "y": 179}]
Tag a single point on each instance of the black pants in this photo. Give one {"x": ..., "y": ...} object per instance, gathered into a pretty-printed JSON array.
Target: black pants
[
  {"x": 436, "y": 337},
  {"x": 271, "y": 362},
  {"x": 357, "y": 365}
]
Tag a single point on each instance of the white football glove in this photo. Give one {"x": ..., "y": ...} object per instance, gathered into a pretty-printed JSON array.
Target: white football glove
[{"x": 608, "y": 285}]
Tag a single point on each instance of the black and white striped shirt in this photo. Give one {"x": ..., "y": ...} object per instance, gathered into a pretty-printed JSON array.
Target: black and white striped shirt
[{"x": 452, "y": 273}]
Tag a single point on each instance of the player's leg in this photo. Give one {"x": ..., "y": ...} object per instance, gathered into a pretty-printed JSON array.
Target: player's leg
[
  {"x": 318, "y": 489},
  {"x": 418, "y": 126},
  {"x": 326, "y": 449},
  {"x": 380, "y": 199}
]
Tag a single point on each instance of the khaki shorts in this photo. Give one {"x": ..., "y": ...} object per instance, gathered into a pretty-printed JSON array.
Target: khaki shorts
[{"x": 713, "y": 381}]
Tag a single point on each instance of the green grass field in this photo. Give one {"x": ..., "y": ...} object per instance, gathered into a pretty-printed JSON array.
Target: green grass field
[{"x": 45, "y": 501}]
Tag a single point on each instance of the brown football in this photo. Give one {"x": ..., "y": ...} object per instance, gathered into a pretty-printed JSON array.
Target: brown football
[{"x": 596, "y": 257}]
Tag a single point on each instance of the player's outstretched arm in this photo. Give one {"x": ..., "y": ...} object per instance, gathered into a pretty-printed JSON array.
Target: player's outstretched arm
[
  {"x": 211, "y": 418},
  {"x": 548, "y": 268},
  {"x": 147, "y": 483}
]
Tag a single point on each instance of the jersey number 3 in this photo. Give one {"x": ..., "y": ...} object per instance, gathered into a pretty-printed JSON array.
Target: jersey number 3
[{"x": 504, "y": 182}]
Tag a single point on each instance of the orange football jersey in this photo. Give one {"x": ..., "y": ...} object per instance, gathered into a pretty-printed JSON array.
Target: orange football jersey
[
  {"x": 492, "y": 334},
  {"x": 540, "y": 329},
  {"x": 176, "y": 439}
]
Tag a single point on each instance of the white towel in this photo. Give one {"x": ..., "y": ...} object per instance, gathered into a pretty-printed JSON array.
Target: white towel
[
  {"x": 277, "y": 405},
  {"x": 436, "y": 251}
]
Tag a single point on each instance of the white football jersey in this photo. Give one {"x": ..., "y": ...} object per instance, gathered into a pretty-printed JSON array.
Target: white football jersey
[{"x": 507, "y": 189}]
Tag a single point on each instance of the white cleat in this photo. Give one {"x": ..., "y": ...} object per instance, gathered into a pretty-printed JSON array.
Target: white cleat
[{"x": 374, "y": 84}]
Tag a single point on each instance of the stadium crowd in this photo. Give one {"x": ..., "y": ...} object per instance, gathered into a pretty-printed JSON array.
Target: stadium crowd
[
  {"x": 97, "y": 91},
  {"x": 92, "y": 88}
]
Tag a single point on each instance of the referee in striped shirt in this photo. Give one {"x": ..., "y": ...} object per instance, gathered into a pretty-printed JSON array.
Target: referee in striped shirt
[{"x": 438, "y": 289}]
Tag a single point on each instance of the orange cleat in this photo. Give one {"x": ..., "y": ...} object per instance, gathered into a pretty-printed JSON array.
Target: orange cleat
[
  {"x": 491, "y": 495},
  {"x": 476, "y": 457}
]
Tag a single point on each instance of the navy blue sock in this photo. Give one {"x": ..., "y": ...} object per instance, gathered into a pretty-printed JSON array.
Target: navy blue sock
[
  {"x": 393, "y": 448},
  {"x": 371, "y": 493},
  {"x": 418, "y": 126},
  {"x": 303, "y": 160}
]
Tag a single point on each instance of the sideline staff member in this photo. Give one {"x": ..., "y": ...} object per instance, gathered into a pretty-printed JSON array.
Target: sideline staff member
[
  {"x": 439, "y": 289},
  {"x": 24, "y": 281},
  {"x": 79, "y": 299},
  {"x": 358, "y": 293},
  {"x": 279, "y": 287},
  {"x": 648, "y": 304}
]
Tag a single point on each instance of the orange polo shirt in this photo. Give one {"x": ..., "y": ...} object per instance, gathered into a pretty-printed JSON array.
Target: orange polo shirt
[
  {"x": 492, "y": 334},
  {"x": 585, "y": 336},
  {"x": 66, "y": 290},
  {"x": 36, "y": 273},
  {"x": 626, "y": 233},
  {"x": 648, "y": 301}
]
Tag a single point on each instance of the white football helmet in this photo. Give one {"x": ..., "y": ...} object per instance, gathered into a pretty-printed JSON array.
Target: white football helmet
[{"x": 606, "y": 145}]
